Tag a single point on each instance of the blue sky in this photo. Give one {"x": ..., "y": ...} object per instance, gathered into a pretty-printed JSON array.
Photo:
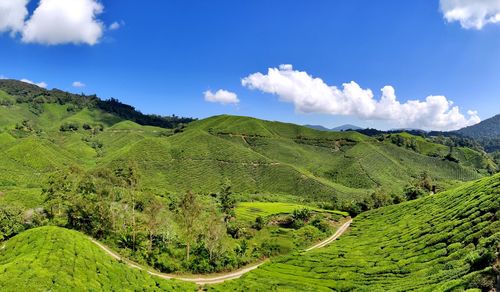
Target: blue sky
[{"x": 162, "y": 56}]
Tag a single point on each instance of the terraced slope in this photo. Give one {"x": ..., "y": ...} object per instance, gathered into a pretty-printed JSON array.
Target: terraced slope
[
  {"x": 57, "y": 259},
  {"x": 258, "y": 157},
  {"x": 444, "y": 242}
]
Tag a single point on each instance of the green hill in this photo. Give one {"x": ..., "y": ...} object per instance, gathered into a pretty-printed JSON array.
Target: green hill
[
  {"x": 445, "y": 242},
  {"x": 489, "y": 128},
  {"x": 486, "y": 133},
  {"x": 57, "y": 259},
  {"x": 43, "y": 131}
]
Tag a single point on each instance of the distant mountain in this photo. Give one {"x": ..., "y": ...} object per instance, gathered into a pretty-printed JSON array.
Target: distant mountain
[
  {"x": 486, "y": 133},
  {"x": 489, "y": 128},
  {"x": 317, "y": 127},
  {"x": 336, "y": 129},
  {"x": 346, "y": 128}
]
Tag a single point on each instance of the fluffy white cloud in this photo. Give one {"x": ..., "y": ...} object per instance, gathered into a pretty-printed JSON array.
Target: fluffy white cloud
[
  {"x": 12, "y": 15},
  {"x": 471, "y": 13},
  {"x": 39, "y": 84},
  {"x": 78, "y": 84},
  {"x": 221, "y": 96},
  {"x": 57, "y": 22},
  {"x": 313, "y": 95}
]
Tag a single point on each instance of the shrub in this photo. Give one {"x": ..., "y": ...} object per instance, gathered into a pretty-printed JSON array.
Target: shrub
[
  {"x": 69, "y": 126},
  {"x": 260, "y": 222}
]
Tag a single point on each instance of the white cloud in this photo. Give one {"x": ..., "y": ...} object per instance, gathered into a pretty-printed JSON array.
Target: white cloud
[
  {"x": 78, "y": 84},
  {"x": 116, "y": 25},
  {"x": 12, "y": 15},
  {"x": 472, "y": 14},
  {"x": 313, "y": 95},
  {"x": 57, "y": 22},
  {"x": 221, "y": 96},
  {"x": 39, "y": 84}
]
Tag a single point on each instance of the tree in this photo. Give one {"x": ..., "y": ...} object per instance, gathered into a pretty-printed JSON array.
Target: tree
[
  {"x": 60, "y": 188},
  {"x": 380, "y": 198},
  {"x": 214, "y": 234},
  {"x": 190, "y": 210},
  {"x": 227, "y": 202},
  {"x": 154, "y": 219},
  {"x": 129, "y": 177},
  {"x": 11, "y": 221}
]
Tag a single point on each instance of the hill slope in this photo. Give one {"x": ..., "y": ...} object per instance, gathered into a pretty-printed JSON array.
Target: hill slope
[
  {"x": 258, "y": 157},
  {"x": 489, "y": 128},
  {"x": 486, "y": 133},
  {"x": 439, "y": 243},
  {"x": 57, "y": 259}
]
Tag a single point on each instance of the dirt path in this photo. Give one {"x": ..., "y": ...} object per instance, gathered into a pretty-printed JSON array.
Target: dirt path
[
  {"x": 337, "y": 234},
  {"x": 219, "y": 278}
]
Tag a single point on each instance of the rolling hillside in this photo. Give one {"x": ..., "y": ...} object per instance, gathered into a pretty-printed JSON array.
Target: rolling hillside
[
  {"x": 258, "y": 157},
  {"x": 445, "y": 242},
  {"x": 488, "y": 128},
  {"x": 57, "y": 259},
  {"x": 487, "y": 133}
]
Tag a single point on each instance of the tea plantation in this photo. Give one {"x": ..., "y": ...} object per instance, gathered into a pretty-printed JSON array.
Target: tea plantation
[
  {"x": 444, "y": 242},
  {"x": 57, "y": 259}
]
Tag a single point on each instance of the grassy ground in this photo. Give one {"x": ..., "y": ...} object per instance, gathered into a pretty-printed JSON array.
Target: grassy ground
[
  {"x": 56, "y": 259},
  {"x": 249, "y": 211},
  {"x": 444, "y": 242}
]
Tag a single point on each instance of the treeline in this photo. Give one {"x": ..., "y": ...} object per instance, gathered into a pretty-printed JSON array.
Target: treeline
[
  {"x": 186, "y": 232},
  {"x": 127, "y": 112},
  {"x": 452, "y": 139},
  {"x": 420, "y": 187},
  {"x": 36, "y": 96}
]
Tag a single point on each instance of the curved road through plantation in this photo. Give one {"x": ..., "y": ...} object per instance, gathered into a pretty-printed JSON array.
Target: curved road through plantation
[{"x": 222, "y": 277}]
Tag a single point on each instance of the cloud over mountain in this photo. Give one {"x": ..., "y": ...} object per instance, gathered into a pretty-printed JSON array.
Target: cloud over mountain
[
  {"x": 313, "y": 95},
  {"x": 39, "y": 84}
]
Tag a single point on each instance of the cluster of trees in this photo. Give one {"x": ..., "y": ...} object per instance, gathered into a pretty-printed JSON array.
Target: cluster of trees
[
  {"x": 410, "y": 143},
  {"x": 109, "y": 205},
  {"x": 127, "y": 112},
  {"x": 421, "y": 186},
  {"x": 25, "y": 126}
]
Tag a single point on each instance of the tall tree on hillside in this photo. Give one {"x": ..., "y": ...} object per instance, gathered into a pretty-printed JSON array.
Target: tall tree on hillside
[
  {"x": 227, "y": 202},
  {"x": 154, "y": 219},
  {"x": 60, "y": 188},
  {"x": 129, "y": 176},
  {"x": 214, "y": 234},
  {"x": 190, "y": 210}
]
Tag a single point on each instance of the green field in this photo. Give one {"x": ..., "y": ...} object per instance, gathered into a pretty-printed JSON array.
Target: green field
[
  {"x": 248, "y": 211},
  {"x": 444, "y": 242},
  {"x": 57, "y": 259}
]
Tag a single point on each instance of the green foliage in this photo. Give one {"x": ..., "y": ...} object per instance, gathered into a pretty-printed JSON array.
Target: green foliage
[
  {"x": 227, "y": 202},
  {"x": 11, "y": 221},
  {"x": 445, "y": 242},
  {"x": 259, "y": 223}
]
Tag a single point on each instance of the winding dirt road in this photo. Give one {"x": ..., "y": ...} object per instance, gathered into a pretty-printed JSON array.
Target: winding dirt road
[{"x": 220, "y": 278}]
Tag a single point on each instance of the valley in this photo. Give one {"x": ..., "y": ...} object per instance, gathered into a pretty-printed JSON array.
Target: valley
[{"x": 168, "y": 202}]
